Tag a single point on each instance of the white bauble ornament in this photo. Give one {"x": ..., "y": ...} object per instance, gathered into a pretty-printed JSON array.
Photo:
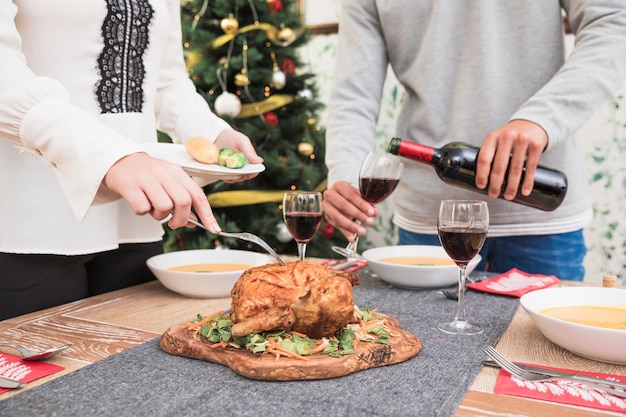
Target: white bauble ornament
[
  {"x": 282, "y": 233},
  {"x": 305, "y": 94},
  {"x": 279, "y": 79},
  {"x": 227, "y": 104}
]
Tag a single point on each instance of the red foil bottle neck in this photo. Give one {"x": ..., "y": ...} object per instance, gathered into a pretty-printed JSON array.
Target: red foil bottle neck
[{"x": 416, "y": 151}]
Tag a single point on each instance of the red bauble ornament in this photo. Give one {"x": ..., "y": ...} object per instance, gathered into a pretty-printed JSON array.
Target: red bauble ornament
[
  {"x": 288, "y": 66},
  {"x": 275, "y": 6},
  {"x": 328, "y": 231},
  {"x": 271, "y": 119}
]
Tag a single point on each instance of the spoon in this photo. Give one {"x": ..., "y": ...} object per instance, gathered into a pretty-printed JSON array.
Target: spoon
[{"x": 34, "y": 355}]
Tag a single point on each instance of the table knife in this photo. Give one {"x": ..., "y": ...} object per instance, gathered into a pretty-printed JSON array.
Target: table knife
[
  {"x": 10, "y": 382},
  {"x": 562, "y": 374}
]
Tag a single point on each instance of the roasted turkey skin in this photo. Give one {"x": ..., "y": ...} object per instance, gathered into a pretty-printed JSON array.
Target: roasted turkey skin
[{"x": 306, "y": 297}]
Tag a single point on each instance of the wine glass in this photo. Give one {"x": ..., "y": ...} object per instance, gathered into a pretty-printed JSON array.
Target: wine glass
[
  {"x": 462, "y": 226},
  {"x": 379, "y": 176},
  {"x": 302, "y": 212}
]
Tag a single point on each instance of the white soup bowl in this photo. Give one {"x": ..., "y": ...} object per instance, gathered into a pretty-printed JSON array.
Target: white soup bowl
[
  {"x": 203, "y": 284},
  {"x": 592, "y": 342},
  {"x": 415, "y": 276}
]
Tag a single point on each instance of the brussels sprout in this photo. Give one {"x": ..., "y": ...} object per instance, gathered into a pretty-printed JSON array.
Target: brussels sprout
[
  {"x": 222, "y": 155},
  {"x": 236, "y": 160}
]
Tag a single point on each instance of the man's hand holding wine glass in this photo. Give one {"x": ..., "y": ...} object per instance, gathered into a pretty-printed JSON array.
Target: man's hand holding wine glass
[
  {"x": 379, "y": 176},
  {"x": 343, "y": 205}
]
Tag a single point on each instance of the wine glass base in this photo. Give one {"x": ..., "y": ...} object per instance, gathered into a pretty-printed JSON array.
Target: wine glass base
[
  {"x": 347, "y": 253},
  {"x": 459, "y": 327}
]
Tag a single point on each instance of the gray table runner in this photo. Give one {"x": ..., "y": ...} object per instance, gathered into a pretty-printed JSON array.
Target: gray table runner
[{"x": 145, "y": 381}]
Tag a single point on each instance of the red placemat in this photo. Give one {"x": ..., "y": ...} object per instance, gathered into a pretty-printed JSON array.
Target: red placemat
[
  {"x": 564, "y": 392},
  {"x": 514, "y": 283},
  {"x": 25, "y": 371},
  {"x": 345, "y": 264}
]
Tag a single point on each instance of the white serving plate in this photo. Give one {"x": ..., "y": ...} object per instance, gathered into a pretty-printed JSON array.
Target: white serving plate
[
  {"x": 597, "y": 343},
  {"x": 176, "y": 153},
  {"x": 412, "y": 276}
]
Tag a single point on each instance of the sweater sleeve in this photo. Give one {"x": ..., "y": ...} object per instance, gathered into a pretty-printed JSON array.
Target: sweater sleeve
[
  {"x": 36, "y": 115},
  {"x": 359, "y": 77},
  {"x": 595, "y": 69},
  {"x": 181, "y": 111}
]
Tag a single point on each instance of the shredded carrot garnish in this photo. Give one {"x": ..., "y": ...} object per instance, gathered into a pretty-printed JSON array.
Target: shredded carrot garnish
[
  {"x": 275, "y": 348},
  {"x": 362, "y": 327},
  {"x": 205, "y": 320},
  {"x": 320, "y": 347},
  {"x": 219, "y": 344},
  {"x": 284, "y": 352}
]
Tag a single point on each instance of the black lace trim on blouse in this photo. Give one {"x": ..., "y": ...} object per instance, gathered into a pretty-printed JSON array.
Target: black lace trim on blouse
[{"x": 125, "y": 32}]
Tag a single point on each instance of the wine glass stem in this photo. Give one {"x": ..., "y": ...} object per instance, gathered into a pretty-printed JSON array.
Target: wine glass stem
[
  {"x": 301, "y": 250},
  {"x": 352, "y": 246},
  {"x": 460, "y": 306}
]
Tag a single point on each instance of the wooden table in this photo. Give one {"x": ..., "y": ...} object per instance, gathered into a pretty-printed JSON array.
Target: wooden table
[{"x": 111, "y": 323}]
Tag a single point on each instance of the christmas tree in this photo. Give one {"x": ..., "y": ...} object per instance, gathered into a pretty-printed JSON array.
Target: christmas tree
[{"x": 243, "y": 58}]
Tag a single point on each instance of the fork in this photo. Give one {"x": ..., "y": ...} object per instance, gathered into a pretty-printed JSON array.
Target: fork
[
  {"x": 6, "y": 382},
  {"x": 248, "y": 237},
  {"x": 34, "y": 355},
  {"x": 520, "y": 373},
  {"x": 450, "y": 294},
  {"x": 454, "y": 294}
]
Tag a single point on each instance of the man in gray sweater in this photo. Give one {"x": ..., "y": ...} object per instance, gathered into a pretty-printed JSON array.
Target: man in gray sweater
[{"x": 489, "y": 73}]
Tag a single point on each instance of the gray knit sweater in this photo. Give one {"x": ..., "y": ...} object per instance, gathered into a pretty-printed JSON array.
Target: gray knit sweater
[{"x": 468, "y": 67}]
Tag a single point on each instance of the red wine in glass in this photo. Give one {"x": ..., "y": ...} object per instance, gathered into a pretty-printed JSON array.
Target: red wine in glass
[
  {"x": 302, "y": 213},
  {"x": 376, "y": 190},
  {"x": 379, "y": 176},
  {"x": 462, "y": 244},
  {"x": 302, "y": 225},
  {"x": 462, "y": 227}
]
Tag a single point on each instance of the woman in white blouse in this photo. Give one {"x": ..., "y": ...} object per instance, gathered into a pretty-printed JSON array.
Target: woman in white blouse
[{"x": 84, "y": 85}]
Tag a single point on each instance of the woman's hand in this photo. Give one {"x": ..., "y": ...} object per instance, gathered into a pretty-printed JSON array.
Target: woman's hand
[
  {"x": 237, "y": 141},
  {"x": 159, "y": 188}
]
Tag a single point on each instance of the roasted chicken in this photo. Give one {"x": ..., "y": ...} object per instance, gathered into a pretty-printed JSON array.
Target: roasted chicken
[{"x": 306, "y": 297}]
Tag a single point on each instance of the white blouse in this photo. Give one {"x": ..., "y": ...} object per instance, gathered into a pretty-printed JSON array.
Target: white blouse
[{"x": 82, "y": 84}]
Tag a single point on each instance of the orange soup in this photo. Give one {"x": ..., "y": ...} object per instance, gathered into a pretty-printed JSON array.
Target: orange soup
[
  {"x": 210, "y": 267},
  {"x": 418, "y": 261},
  {"x": 598, "y": 316}
]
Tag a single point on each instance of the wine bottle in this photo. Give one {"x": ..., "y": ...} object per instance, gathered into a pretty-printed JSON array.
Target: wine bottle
[{"x": 455, "y": 164}]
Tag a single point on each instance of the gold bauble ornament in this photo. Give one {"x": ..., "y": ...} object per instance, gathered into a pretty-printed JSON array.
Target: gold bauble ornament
[
  {"x": 229, "y": 25},
  {"x": 311, "y": 121},
  {"x": 285, "y": 35},
  {"x": 192, "y": 58},
  {"x": 242, "y": 79},
  {"x": 305, "y": 148}
]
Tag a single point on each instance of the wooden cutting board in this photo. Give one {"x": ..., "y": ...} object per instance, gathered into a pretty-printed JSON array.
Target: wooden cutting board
[{"x": 179, "y": 340}]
